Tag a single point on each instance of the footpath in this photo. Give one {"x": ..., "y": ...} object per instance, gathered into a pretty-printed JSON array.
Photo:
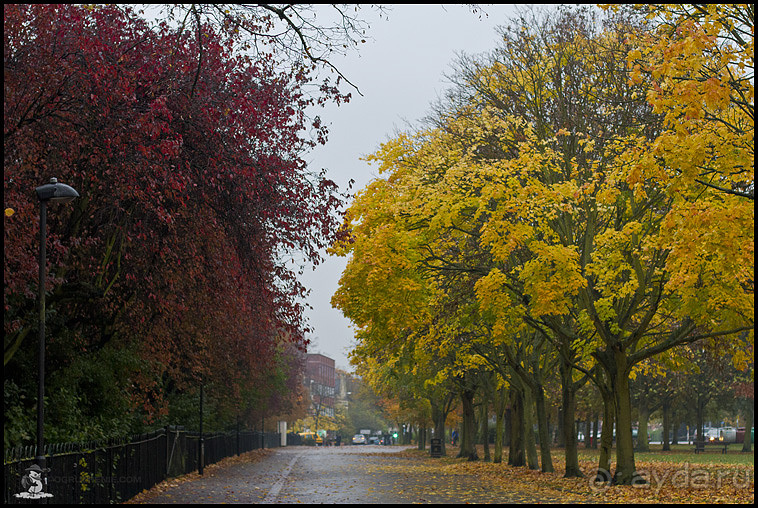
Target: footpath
[
  {"x": 243, "y": 479},
  {"x": 348, "y": 474}
]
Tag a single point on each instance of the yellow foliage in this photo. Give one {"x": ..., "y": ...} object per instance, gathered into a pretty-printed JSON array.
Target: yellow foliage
[
  {"x": 618, "y": 233},
  {"x": 701, "y": 68},
  {"x": 552, "y": 279}
]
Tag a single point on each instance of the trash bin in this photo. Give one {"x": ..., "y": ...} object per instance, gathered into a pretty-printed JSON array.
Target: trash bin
[{"x": 436, "y": 447}]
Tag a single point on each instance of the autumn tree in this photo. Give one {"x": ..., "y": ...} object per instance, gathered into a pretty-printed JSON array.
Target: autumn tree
[
  {"x": 194, "y": 196},
  {"x": 543, "y": 240},
  {"x": 538, "y": 184},
  {"x": 404, "y": 318}
]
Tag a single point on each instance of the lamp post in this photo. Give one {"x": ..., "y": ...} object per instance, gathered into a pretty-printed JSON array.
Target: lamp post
[
  {"x": 201, "y": 441},
  {"x": 57, "y": 193}
]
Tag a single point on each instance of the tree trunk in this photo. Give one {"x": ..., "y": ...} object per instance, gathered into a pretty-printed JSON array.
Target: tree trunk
[
  {"x": 700, "y": 416},
  {"x": 516, "y": 448},
  {"x": 438, "y": 417},
  {"x": 530, "y": 442},
  {"x": 644, "y": 417},
  {"x": 543, "y": 430},
  {"x": 606, "y": 438},
  {"x": 594, "y": 431},
  {"x": 626, "y": 472},
  {"x": 675, "y": 424},
  {"x": 468, "y": 434},
  {"x": 560, "y": 441},
  {"x": 569, "y": 430},
  {"x": 666, "y": 408},
  {"x": 500, "y": 403},
  {"x": 485, "y": 430},
  {"x": 749, "y": 417}
]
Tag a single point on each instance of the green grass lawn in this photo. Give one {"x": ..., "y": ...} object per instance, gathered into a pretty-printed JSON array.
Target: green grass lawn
[{"x": 681, "y": 453}]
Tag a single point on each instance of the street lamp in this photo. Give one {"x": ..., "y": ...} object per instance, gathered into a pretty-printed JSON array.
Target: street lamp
[
  {"x": 201, "y": 441},
  {"x": 56, "y": 193}
]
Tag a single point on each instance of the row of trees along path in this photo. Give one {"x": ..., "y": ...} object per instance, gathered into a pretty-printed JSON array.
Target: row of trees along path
[{"x": 579, "y": 203}]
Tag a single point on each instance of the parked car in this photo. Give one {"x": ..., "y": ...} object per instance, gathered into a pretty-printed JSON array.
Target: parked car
[
  {"x": 373, "y": 440},
  {"x": 359, "y": 439},
  {"x": 311, "y": 438}
]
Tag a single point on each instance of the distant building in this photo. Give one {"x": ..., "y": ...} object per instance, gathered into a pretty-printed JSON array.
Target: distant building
[
  {"x": 319, "y": 379},
  {"x": 345, "y": 385}
]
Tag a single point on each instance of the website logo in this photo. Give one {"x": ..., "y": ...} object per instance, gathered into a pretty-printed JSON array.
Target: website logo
[{"x": 34, "y": 483}]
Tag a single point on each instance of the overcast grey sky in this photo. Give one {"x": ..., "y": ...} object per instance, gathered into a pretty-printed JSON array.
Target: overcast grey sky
[{"x": 400, "y": 72}]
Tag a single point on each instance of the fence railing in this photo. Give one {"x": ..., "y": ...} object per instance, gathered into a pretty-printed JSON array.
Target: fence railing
[{"x": 117, "y": 470}]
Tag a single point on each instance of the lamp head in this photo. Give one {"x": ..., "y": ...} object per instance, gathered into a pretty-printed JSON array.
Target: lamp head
[{"x": 56, "y": 192}]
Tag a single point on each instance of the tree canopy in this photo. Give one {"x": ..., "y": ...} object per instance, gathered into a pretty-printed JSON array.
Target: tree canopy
[
  {"x": 174, "y": 266},
  {"x": 548, "y": 201}
]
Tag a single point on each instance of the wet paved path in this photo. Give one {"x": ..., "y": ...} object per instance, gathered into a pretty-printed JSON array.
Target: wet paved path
[{"x": 349, "y": 474}]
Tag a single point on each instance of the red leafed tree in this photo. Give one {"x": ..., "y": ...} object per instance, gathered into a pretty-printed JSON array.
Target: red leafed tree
[
  {"x": 194, "y": 194},
  {"x": 745, "y": 390}
]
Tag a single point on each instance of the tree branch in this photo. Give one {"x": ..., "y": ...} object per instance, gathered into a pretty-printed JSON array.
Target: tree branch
[{"x": 283, "y": 16}]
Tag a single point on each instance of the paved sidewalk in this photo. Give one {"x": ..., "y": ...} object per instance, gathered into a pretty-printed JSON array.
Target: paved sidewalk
[
  {"x": 245, "y": 479},
  {"x": 349, "y": 474}
]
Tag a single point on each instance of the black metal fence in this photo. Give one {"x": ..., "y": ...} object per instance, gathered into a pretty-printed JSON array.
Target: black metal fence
[{"x": 117, "y": 470}]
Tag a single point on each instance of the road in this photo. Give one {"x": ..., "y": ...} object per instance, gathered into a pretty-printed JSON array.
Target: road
[{"x": 348, "y": 474}]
